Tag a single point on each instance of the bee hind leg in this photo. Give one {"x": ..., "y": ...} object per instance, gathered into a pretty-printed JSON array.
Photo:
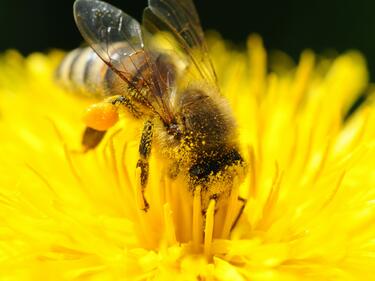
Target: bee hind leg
[
  {"x": 122, "y": 101},
  {"x": 101, "y": 116},
  {"x": 91, "y": 138},
  {"x": 144, "y": 155}
]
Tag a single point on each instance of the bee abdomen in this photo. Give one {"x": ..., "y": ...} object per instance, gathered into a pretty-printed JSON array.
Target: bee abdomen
[
  {"x": 206, "y": 166},
  {"x": 81, "y": 70}
]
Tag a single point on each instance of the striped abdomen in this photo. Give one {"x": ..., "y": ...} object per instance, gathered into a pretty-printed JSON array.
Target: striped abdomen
[{"x": 82, "y": 70}]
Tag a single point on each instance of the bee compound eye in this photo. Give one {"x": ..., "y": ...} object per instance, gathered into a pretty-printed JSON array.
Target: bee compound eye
[{"x": 174, "y": 130}]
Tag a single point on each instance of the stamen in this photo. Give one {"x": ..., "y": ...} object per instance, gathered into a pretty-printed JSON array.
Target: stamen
[
  {"x": 124, "y": 169},
  {"x": 252, "y": 167},
  {"x": 71, "y": 165},
  {"x": 110, "y": 156},
  {"x": 231, "y": 209},
  {"x": 67, "y": 152},
  {"x": 209, "y": 228},
  {"x": 43, "y": 179},
  {"x": 112, "y": 153},
  {"x": 172, "y": 199},
  {"x": 197, "y": 219},
  {"x": 162, "y": 191},
  {"x": 184, "y": 212},
  {"x": 302, "y": 77},
  {"x": 258, "y": 64},
  {"x": 107, "y": 148},
  {"x": 334, "y": 191},
  {"x": 170, "y": 232},
  {"x": 323, "y": 161},
  {"x": 272, "y": 198}
]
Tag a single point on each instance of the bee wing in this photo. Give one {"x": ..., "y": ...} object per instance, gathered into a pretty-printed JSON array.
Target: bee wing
[
  {"x": 180, "y": 19},
  {"x": 102, "y": 26}
]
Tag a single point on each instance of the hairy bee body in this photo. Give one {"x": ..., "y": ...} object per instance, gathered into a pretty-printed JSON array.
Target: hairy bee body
[
  {"x": 203, "y": 142},
  {"x": 206, "y": 148},
  {"x": 173, "y": 90}
]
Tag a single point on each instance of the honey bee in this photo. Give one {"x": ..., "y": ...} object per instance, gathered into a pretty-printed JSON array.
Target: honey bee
[{"x": 174, "y": 91}]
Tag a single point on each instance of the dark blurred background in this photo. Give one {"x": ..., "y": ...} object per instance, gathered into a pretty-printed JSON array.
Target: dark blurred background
[{"x": 288, "y": 25}]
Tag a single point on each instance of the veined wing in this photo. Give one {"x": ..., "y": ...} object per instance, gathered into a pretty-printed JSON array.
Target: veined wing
[
  {"x": 180, "y": 19},
  {"x": 105, "y": 28}
]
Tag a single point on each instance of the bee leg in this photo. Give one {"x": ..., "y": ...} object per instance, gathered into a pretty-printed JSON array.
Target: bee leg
[
  {"x": 91, "y": 138},
  {"x": 144, "y": 155},
  {"x": 122, "y": 101},
  {"x": 243, "y": 201},
  {"x": 106, "y": 110}
]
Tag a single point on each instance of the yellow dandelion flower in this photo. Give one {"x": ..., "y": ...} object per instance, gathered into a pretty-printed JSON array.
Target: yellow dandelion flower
[{"x": 310, "y": 185}]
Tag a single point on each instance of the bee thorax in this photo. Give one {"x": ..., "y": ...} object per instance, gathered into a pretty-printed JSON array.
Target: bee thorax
[{"x": 207, "y": 122}]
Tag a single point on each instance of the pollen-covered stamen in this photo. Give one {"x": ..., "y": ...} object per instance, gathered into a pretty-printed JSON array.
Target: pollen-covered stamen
[{"x": 101, "y": 116}]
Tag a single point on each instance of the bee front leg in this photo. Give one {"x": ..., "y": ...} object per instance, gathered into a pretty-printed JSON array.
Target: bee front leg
[
  {"x": 101, "y": 116},
  {"x": 144, "y": 155}
]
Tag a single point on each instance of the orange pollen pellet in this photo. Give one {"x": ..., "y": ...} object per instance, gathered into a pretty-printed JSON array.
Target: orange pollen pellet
[{"x": 101, "y": 116}]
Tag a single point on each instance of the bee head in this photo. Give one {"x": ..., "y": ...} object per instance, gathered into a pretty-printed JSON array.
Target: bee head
[{"x": 174, "y": 130}]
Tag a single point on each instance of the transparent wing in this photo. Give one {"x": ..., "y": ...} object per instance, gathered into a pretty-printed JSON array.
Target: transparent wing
[
  {"x": 180, "y": 19},
  {"x": 101, "y": 25},
  {"x": 105, "y": 28}
]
